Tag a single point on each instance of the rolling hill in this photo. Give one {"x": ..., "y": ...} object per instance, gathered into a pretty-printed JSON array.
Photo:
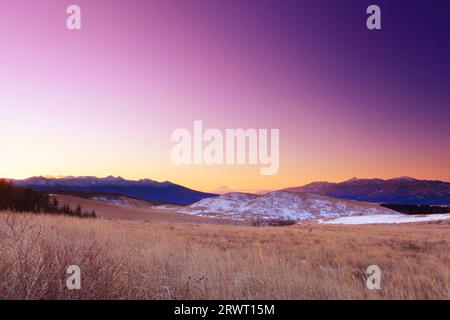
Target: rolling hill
[{"x": 281, "y": 205}]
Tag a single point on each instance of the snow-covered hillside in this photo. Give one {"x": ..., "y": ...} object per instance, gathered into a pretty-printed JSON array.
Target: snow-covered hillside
[{"x": 281, "y": 205}]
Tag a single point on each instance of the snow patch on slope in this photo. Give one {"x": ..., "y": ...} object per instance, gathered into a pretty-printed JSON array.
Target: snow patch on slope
[{"x": 387, "y": 219}]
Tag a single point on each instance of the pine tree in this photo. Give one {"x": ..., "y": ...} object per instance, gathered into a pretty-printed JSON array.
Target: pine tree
[{"x": 78, "y": 211}]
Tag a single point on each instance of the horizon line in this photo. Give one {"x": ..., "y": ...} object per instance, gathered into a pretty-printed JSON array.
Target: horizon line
[{"x": 60, "y": 177}]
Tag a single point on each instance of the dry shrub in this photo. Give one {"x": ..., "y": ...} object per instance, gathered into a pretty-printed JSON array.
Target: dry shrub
[
  {"x": 272, "y": 223},
  {"x": 34, "y": 261}
]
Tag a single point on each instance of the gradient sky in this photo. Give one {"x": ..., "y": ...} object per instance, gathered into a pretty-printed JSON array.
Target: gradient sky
[{"x": 105, "y": 100}]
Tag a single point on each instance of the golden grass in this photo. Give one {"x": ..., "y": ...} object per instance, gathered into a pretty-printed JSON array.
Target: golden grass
[
  {"x": 140, "y": 211},
  {"x": 163, "y": 260}
]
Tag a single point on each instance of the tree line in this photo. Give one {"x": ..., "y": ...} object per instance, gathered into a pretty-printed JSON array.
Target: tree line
[
  {"x": 417, "y": 209},
  {"x": 17, "y": 199}
]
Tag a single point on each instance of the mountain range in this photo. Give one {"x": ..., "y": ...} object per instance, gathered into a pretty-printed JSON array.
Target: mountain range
[
  {"x": 403, "y": 190},
  {"x": 144, "y": 189}
]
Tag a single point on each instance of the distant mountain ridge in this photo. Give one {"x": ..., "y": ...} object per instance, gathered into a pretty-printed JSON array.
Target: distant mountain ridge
[
  {"x": 225, "y": 190},
  {"x": 402, "y": 190},
  {"x": 144, "y": 189}
]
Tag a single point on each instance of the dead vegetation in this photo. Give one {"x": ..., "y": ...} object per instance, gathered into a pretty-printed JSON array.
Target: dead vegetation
[
  {"x": 161, "y": 260},
  {"x": 272, "y": 222}
]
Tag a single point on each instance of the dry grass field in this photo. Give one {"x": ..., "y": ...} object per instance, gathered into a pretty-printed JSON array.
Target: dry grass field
[
  {"x": 132, "y": 259},
  {"x": 140, "y": 211}
]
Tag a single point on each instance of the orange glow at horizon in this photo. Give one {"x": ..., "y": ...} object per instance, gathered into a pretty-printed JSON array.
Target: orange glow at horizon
[{"x": 105, "y": 100}]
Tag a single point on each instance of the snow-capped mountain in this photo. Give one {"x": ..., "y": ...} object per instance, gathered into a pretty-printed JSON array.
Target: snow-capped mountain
[
  {"x": 144, "y": 189},
  {"x": 86, "y": 181},
  {"x": 281, "y": 205},
  {"x": 402, "y": 190}
]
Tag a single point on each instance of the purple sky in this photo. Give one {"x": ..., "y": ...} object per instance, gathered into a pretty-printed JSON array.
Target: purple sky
[{"x": 104, "y": 100}]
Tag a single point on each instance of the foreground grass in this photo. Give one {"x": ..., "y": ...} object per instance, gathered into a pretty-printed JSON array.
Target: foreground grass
[{"x": 157, "y": 260}]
